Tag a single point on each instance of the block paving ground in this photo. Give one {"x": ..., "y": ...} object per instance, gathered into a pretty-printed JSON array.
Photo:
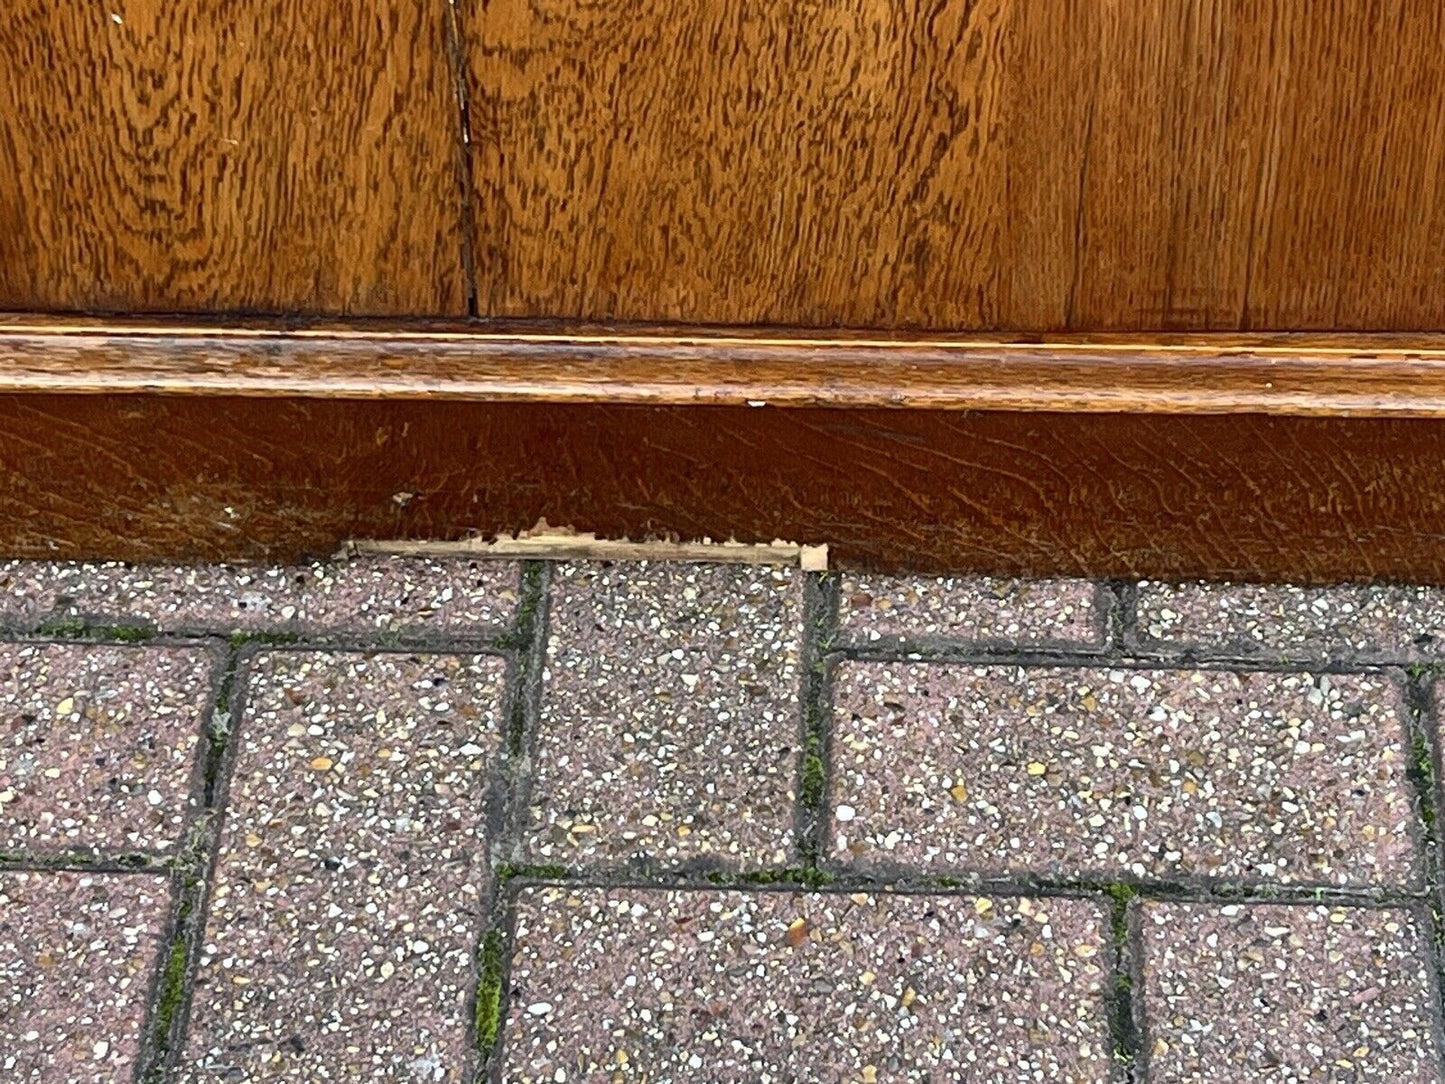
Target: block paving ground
[{"x": 456, "y": 821}]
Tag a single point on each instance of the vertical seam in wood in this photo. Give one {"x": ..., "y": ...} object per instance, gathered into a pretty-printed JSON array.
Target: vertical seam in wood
[{"x": 457, "y": 59}]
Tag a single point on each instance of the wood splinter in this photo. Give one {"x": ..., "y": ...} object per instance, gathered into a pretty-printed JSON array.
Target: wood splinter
[{"x": 562, "y": 544}]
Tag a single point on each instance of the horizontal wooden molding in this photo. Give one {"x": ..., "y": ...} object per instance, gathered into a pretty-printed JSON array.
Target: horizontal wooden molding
[{"x": 1281, "y": 374}]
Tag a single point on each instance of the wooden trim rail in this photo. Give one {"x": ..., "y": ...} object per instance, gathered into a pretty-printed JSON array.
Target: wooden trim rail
[
  {"x": 1280, "y": 374},
  {"x": 1289, "y": 456}
]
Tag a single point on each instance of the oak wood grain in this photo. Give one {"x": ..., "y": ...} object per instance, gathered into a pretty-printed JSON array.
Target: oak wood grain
[
  {"x": 1350, "y": 231},
  {"x": 1261, "y": 165},
  {"x": 245, "y": 155},
  {"x": 1279, "y": 373},
  {"x": 789, "y": 162},
  {"x": 962, "y": 164},
  {"x": 1243, "y": 496},
  {"x": 1182, "y": 129}
]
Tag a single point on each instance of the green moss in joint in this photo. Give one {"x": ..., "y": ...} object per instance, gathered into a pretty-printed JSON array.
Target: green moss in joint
[
  {"x": 489, "y": 992},
  {"x": 506, "y": 871},
  {"x": 813, "y": 781},
  {"x": 172, "y": 987},
  {"x": 168, "y": 999},
  {"x": 1126, "y": 1040},
  {"x": 79, "y": 630},
  {"x": 1421, "y": 772}
]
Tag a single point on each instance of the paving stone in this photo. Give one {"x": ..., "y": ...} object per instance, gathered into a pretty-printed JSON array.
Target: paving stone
[
  {"x": 348, "y": 895},
  {"x": 1290, "y": 993},
  {"x": 99, "y": 745},
  {"x": 78, "y": 955},
  {"x": 1371, "y": 622},
  {"x": 372, "y": 594},
  {"x": 1279, "y": 778},
  {"x": 1015, "y": 613},
  {"x": 670, "y": 721},
  {"x": 721, "y": 986}
]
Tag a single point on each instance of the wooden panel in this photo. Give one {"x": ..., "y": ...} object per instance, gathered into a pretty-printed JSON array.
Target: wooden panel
[
  {"x": 1259, "y": 165},
  {"x": 996, "y": 164},
  {"x": 1277, "y": 373},
  {"x": 786, "y": 161},
  {"x": 1351, "y": 227},
  {"x": 1312, "y": 499},
  {"x": 1046, "y": 156},
  {"x": 257, "y": 155},
  {"x": 1177, "y": 132}
]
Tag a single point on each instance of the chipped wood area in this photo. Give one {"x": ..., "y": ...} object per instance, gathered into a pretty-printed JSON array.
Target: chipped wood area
[{"x": 562, "y": 544}]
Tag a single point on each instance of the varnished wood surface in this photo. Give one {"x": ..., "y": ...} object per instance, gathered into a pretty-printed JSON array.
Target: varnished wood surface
[
  {"x": 168, "y": 478},
  {"x": 964, "y": 165},
  {"x": 783, "y": 162},
  {"x": 230, "y": 155},
  {"x": 1248, "y": 164},
  {"x": 1281, "y": 374},
  {"x": 970, "y": 164}
]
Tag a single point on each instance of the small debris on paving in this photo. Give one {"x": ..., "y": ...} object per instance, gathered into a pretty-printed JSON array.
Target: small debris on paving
[
  {"x": 1246, "y": 992},
  {"x": 98, "y": 746},
  {"x": 1031, "y": 613},
  {"x": 1371, "y": 621},
  {"x": 349, "y": 891},
  {"x": 725, "y": 986},
  {"x": 1269, "y": 778},
  {"x": 670, "y": 722},
  {"x": 78, "y": 954},
  {"x": 687, "y": 823},
  {"x": 365, "y": 594}
]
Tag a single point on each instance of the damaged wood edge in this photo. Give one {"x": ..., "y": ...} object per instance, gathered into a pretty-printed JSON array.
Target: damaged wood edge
[
  {"x": 1102, "y": 496},
  {"x": 1338, "y": 375},
  {"x": 560, "y": 544}
]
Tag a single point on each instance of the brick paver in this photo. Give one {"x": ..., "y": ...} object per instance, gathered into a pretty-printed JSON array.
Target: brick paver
[
  {"x": 1061, "y": 772},
  {"x": 722, "y": 986},
  {"x": 670, "y": 721},
  {"x": 78, "y": 953},
  {"x": 603, "y": 849},
  {"x": 349, "y": 890},
  {"x": 98, "y": 745},
  {"x": 1247, "y": 992},
  {"x": 374, "y": 594},
  {"x": 1011, "y": 613},
  {"x": 1386, "y": 622}
]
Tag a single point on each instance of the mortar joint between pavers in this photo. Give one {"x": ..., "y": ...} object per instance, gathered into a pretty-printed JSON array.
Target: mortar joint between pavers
[
  {"x": 1034, "y": 657},
  {"x": 83, "y": 630},
  {"x": 918, "y": 882},
  {"x": 166, "y": 1020},
  {"x": 528, "y": 638},
  {"x": 527, "y": 644},
  {"x": 84, "y": 861},
  {"x": 492, "y": 996},
  {"x": 1119, "y": 601},
  {"x": 820, "y": 630},
  {"x": 1123, "y": 995},
  {"x": 1423, "y": 773}
]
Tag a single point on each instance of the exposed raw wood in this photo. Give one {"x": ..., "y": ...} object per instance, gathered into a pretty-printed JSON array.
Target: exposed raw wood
[
  {"x": 561, "y": 544},
  {"x": 1282, "y": 374}
]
